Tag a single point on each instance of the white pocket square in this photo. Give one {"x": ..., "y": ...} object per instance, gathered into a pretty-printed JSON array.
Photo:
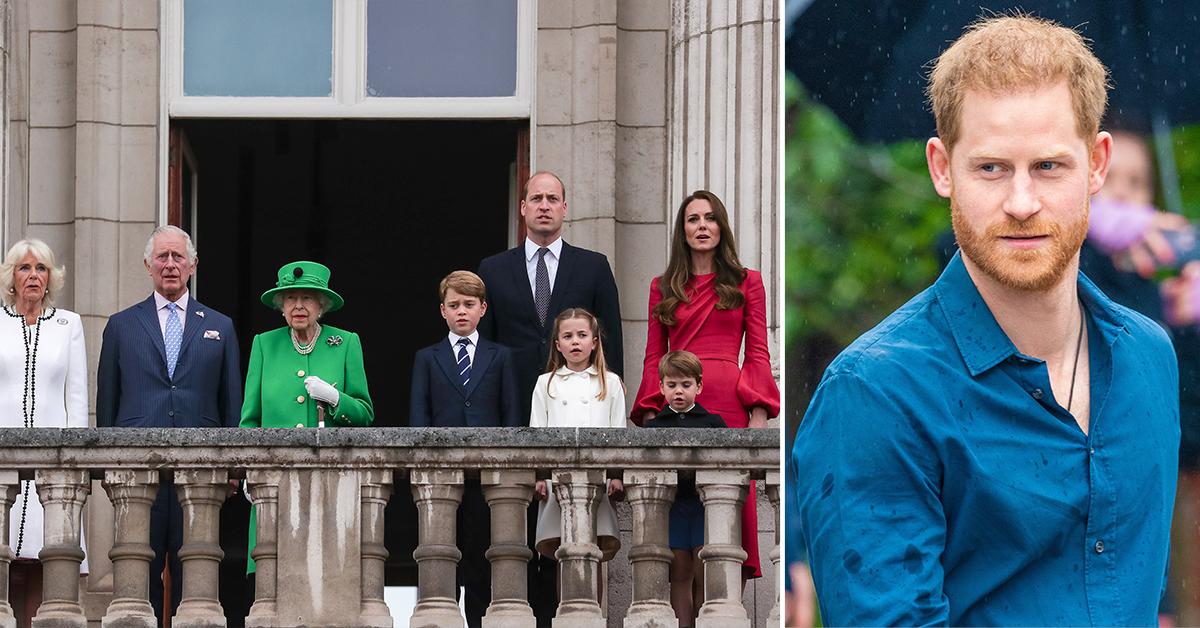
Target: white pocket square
[{"x": 212, "y": 334}]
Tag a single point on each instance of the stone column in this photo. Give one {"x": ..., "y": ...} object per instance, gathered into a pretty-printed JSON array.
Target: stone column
[
  {"x": 723, "y": 493},
  {"x": 508, "y": 493},
  {"x": 578, "y": 492},
  {"x": 201, "y": 493},
  {"x": 62, "y": 492},
  {"x": 437, "y": 493},
  {"x": 650, "y": 494},
  {"x": 263, "y": 487},
  {"x": 132, "y": 493},
  {"x": 9, "y": 484},
  {"x": 375, "y": 491},
  {"x": 772, "y": 486}
]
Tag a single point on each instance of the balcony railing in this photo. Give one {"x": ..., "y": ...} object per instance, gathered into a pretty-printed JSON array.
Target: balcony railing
[{"x": 321, "y": 495}]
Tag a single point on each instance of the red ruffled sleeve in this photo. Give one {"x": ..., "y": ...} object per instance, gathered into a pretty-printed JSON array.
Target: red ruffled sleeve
[
  {"x": 756, "y": 387},
  {"x": 649, "y": 396}
]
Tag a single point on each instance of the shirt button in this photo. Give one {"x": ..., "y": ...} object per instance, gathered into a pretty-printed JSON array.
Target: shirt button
[
  {"x": 172, "y": 386},
  {"x": 467, "y": 404},
  {"x": 584, "y": 400},
  {"x": 1099, "y": 547},
  {"x": 300, "y": 373},
  {"x": 299, "y": 398},
  {"x": 171, "y": 413},
  {"x": 299, "y": 425},
  {"x": 1036, "y": 393},
  {"x": 1092, "y": 451},
  {"x": 564, "y": 402}
]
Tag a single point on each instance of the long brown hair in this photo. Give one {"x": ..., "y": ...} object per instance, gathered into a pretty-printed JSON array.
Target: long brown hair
[
  {"x": 557, "y": 360},
  {"x": 730, "y": 272}
]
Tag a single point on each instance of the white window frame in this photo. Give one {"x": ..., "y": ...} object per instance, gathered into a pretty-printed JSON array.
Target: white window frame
[{"x": 349, "y": 79}]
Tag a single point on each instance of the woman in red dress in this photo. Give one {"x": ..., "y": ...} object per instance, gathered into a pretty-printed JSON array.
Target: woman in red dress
[{"x": 706, "y": 303}]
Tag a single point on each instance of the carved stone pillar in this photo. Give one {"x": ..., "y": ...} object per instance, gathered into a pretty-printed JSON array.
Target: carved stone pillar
[
  {"x": 437, "y": 493},
  {"x": 579, "y": 493},
  {"x": 263, "y": 487},
  {"x": 132, "y": 493},
  {"x": 62, "y": 492},
  {"x": 201, "y": 493},
  {"x": 650, "y": 494},
  {"x": 508, "y": 493},
  {"x": 9, "y": 483},
  {"x": 772, "y": 486},
  {"x": 723, "y": 493},
  {"x": 375, "y": 490}
]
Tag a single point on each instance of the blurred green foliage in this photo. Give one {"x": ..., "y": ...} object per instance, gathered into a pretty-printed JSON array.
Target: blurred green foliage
[
  {"x": 1186, "y": 146},
  {"x": 860, "y": 221}
]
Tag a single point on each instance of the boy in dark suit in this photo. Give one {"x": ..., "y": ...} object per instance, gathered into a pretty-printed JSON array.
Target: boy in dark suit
[
  {"x": 466, "y": 381},
  {"x": 681, "y": 378}
]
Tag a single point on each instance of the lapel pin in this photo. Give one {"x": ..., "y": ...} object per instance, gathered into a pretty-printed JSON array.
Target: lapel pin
[
  {"x": 333, "y": 341},
  {"x": 200, "y": 313}
]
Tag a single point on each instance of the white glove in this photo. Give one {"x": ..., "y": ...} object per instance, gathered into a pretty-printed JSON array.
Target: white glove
[{"x": 321, "y": 391}]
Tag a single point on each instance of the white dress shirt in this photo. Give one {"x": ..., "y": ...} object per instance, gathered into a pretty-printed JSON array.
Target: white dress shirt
[
  {"x": 552, "y": 257},
  {"x": 454, "y": 338},
  {"x": 160, "y": 303}
]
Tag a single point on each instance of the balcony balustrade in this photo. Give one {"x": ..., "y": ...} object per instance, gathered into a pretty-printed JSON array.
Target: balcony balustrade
[{"x": 321, "y": 494}]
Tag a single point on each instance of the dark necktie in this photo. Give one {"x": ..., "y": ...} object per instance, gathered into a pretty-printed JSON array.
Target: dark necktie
[
  {"x": 464, "y": 361},
  {"x": 541, "y": 286}
]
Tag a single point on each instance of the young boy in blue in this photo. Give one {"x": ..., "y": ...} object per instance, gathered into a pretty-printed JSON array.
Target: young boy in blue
[
  {"x": 464, "y": 380},
  {"x": 681, "y": 379}
]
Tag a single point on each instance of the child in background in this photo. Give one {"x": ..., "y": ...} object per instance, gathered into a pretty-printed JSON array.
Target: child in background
[
  {"x": 681, "y": 379},
  {"x": 577, "y": 390}
]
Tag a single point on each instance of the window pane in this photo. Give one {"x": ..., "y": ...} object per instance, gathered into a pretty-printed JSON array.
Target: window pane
[
  {"x": 441, "y": 48},
  {"x": 260, "y": 48}
]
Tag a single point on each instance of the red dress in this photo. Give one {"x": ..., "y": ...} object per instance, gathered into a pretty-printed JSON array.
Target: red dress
[{"x": 715, "y": 336}]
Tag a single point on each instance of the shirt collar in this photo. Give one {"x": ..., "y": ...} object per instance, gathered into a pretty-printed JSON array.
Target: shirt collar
[
  {"x": 564, "y": 371},
  {"x": 160, "y": 301},
  {"x": 531, "y": 248},
  {"x": 473, "y": 337},
  {"x": 980, "y": 340}
]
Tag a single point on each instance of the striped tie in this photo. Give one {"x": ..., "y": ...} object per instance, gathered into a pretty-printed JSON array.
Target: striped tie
[
  {"x": 464, "y": 361},
  {"x": 173, "y": 338}
]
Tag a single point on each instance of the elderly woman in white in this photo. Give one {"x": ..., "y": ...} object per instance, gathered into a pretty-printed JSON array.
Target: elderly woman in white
[{"x": 43, "y": 383}]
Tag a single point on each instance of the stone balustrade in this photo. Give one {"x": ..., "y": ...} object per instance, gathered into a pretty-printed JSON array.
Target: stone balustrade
[{"x": 321, "y": 494}]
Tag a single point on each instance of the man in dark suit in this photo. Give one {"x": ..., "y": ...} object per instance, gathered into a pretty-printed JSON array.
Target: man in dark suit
[
  {"x": 168, "y": 362},
  {"x": 528, "y": 286},
  {"x": 464, "y": 380}
]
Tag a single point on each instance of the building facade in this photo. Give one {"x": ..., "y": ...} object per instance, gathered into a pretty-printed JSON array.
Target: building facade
[{"x": 125, "y": 114}]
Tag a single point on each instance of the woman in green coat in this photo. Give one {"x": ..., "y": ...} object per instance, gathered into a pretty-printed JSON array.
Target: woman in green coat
[{"x": 304, "y": 374}]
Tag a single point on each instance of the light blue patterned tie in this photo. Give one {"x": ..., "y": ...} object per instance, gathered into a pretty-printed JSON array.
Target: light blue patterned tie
[
  {"x": 464, "y": 361},
  {"x": 173, "y": 338}
]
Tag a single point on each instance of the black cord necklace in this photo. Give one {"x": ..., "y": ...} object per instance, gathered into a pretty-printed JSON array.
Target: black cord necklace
[
  {"x": 28, "y": 396},
  {"x": 1078, "y": 350}
]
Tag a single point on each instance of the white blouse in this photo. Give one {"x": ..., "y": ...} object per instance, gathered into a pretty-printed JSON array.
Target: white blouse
[
  {"x": 60, "y": 397},
  {"x": 571, "y": 400}
]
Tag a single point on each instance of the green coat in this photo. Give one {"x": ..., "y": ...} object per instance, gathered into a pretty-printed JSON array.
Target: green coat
[{"x": 275, "y": 394}]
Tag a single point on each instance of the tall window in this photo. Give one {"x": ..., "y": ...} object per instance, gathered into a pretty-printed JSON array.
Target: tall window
[{"x": 349, "y": 58}]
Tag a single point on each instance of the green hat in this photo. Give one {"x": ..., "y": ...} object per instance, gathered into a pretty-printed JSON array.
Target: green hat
[{"x": 304, "y": 276}]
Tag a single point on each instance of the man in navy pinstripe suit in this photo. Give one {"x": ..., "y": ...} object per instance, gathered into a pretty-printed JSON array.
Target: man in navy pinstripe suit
[{"x": 168, "y": 362}]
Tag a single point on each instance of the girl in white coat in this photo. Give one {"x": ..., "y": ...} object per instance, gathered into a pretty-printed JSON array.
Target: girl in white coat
[{"x": 577, "y": 391}]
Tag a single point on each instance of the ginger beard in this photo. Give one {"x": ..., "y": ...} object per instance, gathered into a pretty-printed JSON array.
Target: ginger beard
[{"x": 1023, "y": 269}]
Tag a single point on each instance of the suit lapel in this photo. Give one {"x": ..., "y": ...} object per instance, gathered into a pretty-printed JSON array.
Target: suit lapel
[
  {"x": 562, "y": 279},
  {"x": 520, "y": 276},
  {"x": 194, "y": 322},
  {"x": 449, "y": 365},
  {"x": 483, "y": 358},
  {"x": 147, "y": 313}
]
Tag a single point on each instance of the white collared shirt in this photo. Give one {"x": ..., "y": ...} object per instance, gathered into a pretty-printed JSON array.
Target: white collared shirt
[
  {"x": 454, "y": 338},
  {"x": 552, "y": 257},
  {"x": 160, "y": 302}
]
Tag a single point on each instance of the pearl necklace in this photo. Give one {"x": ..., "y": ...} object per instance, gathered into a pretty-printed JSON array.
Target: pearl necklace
[
  {"x": 305, "y": 349},
  {"x": 28, "y": 397}
]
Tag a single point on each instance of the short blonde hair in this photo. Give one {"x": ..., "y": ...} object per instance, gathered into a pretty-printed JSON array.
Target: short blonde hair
[
  {"x": 43, "y": 253},
  {"x": 463, "y": 282},
  {"x": 1009, "y": 52}
]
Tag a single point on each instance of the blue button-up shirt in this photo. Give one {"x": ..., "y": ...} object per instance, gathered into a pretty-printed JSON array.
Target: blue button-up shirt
[{"x": 939, "y": 481}]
